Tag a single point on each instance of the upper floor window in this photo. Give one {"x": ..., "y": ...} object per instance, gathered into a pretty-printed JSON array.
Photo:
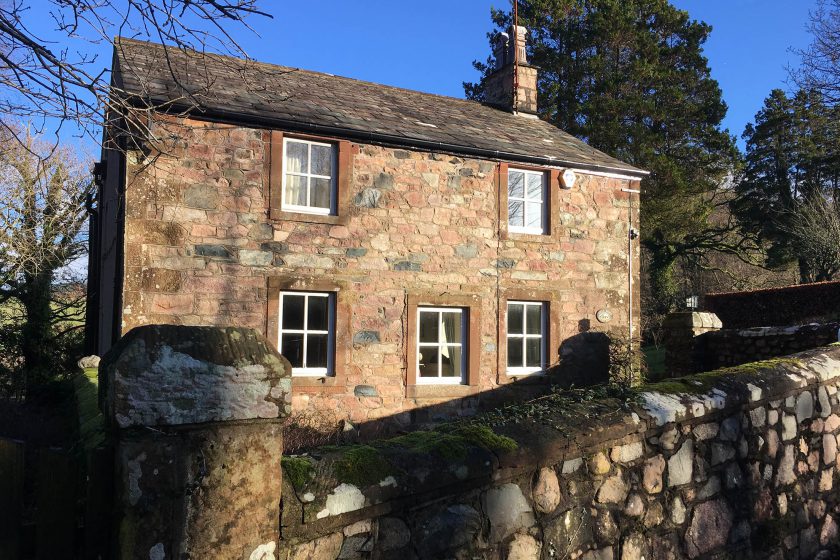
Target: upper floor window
[
  {"x": 526, "y": 201},
  {"x": 526, "y": 344},
  {"x": 309, "y": 176},
  {"x": 441, "y": 356},
  {"x": 307, "y": 332}
]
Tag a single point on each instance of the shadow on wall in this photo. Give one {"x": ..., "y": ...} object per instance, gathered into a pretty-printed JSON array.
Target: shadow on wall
[{"x": 584, "y": 362}]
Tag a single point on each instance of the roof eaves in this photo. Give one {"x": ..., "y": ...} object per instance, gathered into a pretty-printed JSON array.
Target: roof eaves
[{"x": 368, "y": 136}]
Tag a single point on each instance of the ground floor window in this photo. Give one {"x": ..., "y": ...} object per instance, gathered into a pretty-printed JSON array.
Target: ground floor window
[
  {"x": 306, "y": 333},
  {"x": 526, "y": 341},
  {"x": 441, "y": 350}
]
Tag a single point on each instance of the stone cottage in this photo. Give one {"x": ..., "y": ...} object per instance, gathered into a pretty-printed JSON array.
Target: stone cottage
[{"x": 410, "y": 254}]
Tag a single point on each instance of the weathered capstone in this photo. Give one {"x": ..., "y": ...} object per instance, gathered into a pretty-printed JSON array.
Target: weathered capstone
[
  {"x": 187, "y": 407},
  {"x": 709, "y": 528},
  {"x": 508, "y": 511},
  {"x": 168, "y": 375}
]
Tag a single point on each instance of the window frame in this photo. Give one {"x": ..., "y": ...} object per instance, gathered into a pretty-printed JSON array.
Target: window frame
[
  {"x": 329, "y": 370},
  {"x": 471, "y": 304},
  {"x": 543, "y": 202},
  {"x": 463, "y": 345},
  {"x": 273, "y": 178},
  {"x": 524, "y": 370},
  {"x": 342, "y": 348},
  {"x": 308, "y": 209}
]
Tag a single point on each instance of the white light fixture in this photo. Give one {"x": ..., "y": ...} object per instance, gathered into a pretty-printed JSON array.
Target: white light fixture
[{"x": 567, "y": 180}]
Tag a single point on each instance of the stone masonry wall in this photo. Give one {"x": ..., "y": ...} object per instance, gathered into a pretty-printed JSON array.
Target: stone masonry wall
[
  {"x": 200, "y": 248},
  {"x": 742, "y": 463},
  {"x": 730, "y": 347}
]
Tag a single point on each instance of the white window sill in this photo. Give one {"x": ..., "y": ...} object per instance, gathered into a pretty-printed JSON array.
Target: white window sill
[
  {"x": 440, "y": 381},
  {"x": 524, "y": 372},
  {"x": 307, "y": 210},
  {"x": 527, "y": 231}
]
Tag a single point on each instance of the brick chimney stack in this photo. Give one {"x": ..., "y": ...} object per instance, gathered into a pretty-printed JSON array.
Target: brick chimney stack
[{"x": 499, "y": 87}]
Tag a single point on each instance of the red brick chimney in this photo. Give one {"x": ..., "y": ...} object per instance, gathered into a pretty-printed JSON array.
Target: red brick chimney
[{"x": 512, "y": 66}]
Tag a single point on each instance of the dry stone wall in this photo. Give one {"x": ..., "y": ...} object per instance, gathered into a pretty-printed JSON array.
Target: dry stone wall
[
  {"x": 729, "y": 347},
  {"x": 739, "y": 463}
]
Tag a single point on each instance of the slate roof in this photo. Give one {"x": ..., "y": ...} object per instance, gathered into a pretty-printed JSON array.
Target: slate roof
[{"x": 234, "y": 90}]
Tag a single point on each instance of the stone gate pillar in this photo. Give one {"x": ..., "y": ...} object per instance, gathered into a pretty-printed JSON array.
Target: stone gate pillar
[
  {"x": 195, "y": 414},
  {"x": 681, "y": 329}
]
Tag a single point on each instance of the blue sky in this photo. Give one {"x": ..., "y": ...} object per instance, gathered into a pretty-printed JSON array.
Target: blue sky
[{"x": 430, "y": 45}]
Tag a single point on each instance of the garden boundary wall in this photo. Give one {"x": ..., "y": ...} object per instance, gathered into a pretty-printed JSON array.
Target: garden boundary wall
[
  {"x": 740, "y": 462},
  {"x": 776, "y": 307}
]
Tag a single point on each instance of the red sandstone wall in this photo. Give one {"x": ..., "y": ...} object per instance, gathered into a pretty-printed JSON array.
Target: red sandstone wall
[{"x": 200, "y": 249}]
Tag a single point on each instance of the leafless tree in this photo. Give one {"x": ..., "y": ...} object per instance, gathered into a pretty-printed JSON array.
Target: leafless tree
[
  {"x": 815, "y": 228},
  {"x": 43, "y": 193},
  {"x": 44, "y": 81},
  {"x": 820, "y": 62}
]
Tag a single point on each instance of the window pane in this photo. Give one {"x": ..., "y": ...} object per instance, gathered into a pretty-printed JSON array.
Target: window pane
[
  {"x": 292, "y": 312},
  {"x": 535, "y": 186},
  {"x": 514, "y": 352},
  {"x": 316, "y": 350},
  {"x": 320, "y": 195},
  {"x": 428, "y": 366},
  {"x": 451, "y": 327},
  {"x": 318, "y": 313},
  {"x": 428, "y": 326},
  {"x": 534, "y": 319},
  {"x": 534, "y": 215},
  {"x": 532, "y": 352},
  {"x": 451, "y": 361},
  {"x": 516, "y": 184},
  {"x": 292, "y": 349},
  {"x": 297, "y": 157},
  {"x": 295, "y": 190},
  {"x": 322, "y": 160},
  {"x": 516, "y": 213},
  {"x": 514, "y": 318}
]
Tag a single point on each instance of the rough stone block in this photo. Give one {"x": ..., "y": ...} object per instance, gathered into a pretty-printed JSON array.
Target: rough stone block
[{"x": 167, "y": 375}]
